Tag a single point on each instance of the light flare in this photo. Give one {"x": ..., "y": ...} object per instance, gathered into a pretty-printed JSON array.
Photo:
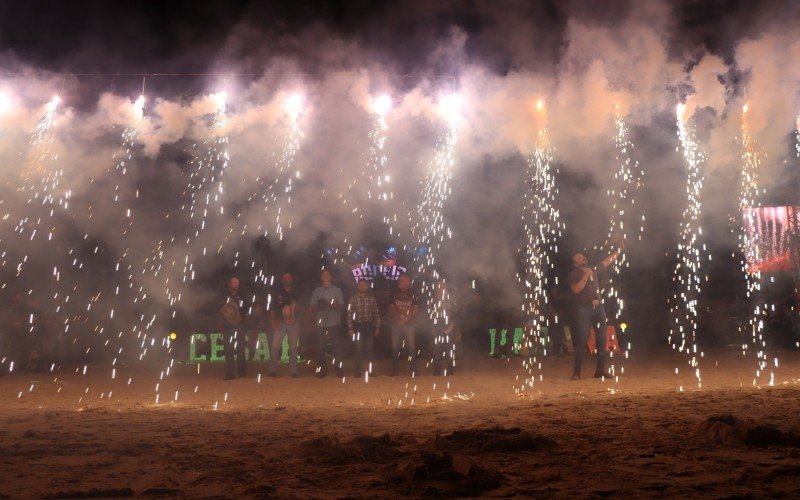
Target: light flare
[
  {"x": 450, "y": 106},
  {"x": 294, "y": 106},
  {"x": 381, "y": 104}
]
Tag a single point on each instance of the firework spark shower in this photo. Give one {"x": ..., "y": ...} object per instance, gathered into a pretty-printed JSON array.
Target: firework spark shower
[{"x": 175, "y": 176}]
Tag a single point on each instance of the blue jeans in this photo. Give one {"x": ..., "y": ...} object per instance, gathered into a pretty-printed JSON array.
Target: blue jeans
[{"x": 587, "y": 317}]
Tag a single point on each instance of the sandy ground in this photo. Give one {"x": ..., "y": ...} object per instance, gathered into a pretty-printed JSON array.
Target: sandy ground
[{"x": 69, "y": 434}]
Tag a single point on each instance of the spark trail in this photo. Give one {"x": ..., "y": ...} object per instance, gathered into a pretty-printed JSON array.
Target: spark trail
[
  {"x": 431, "y": 232},
  {"x": 375, "y": 179},
  {"x": 627, "y": 181},
  {"x": 688, "y": 273},
  {"x": 797, "y": 137},
  {"x": 46, "y": 275},
  {"x": 380, "y": 180},
  {"x": 127, "y": 292},
  {"x": 542, "y": 224},
  {"x": 748, "y": 199},
  {"x": 288, "y": 173}
]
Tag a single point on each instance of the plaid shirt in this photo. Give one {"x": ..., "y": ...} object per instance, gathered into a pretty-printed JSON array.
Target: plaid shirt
[{"x": 363, "y": 309}]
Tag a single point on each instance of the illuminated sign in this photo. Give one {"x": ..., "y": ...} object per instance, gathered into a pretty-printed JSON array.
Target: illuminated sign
[
  {"x": 370, "y": 271},
  {"x": 216, "y": 348},
  {"x": 368, "y": 264},
  {"x": 769, "y": 238}
]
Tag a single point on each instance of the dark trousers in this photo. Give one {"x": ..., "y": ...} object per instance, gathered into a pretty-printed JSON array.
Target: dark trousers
[
  {"x": 444, "y": 349},
  {"x": 330, "y": 334},
  {"x": 404, "y": 336},
  {"x": 558, "y": 339},
  {"x": 234, "y": 347},
  {"x": 363, "y": 338},
  {"x": 587, "y": 317}
]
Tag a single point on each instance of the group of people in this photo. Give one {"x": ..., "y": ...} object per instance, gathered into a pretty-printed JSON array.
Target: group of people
[
  {"x": 409, "y": 327},
  {"x": 364, "y": 323},
  {"x": 363, "y": 320}
]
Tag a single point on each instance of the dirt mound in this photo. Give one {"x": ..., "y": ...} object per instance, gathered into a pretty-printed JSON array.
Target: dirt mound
[
  {"x": 444, "y": 474},
  {"x": 329, "y": 449},
  {"x": 727, "y": 430},
  {"x": 492, "y": 440}
]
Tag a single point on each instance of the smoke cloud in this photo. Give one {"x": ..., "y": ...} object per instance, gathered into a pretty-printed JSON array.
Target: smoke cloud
[{"x": 202, "y": 188}]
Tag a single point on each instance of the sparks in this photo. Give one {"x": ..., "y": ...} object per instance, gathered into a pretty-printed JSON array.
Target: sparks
[
  {"x": 748, "y": 199},
  {"x": 543, "y": 227},
  {"x": 687, "y": 275}
]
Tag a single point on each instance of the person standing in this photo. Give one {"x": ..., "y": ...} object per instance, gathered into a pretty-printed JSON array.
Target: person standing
[
  {"x": 290, "y": 329},
  {"x": 589, "y": 312},
  {"x": 363, "y": 325},
  {"x": 233, "y": 312},
  {"x": 404, "y": 309},
  {"x": 327, "y": 301},
  {"x": 284, "y": 295}
]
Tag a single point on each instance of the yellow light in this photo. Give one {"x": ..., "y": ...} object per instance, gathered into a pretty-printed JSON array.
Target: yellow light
[
  {"x": 51, "y": 106},
  {"x": 138, "y": 106},
  {"x": 450, "y": 106},
  {"x": 623, "y": 326},
  {"x": 220, "y": 98},
  {"x": 382, "y": 104},
  {"x": 173, "y": 336},
  {"x": 294, "y": 105},
  {"x": 680, "y": 109}
]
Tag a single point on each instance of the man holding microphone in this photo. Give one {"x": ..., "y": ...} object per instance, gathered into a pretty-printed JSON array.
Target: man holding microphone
[{"x": 589, "y": 311}]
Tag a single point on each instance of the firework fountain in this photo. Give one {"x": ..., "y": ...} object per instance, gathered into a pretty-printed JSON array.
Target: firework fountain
[
  {"x": 275, "y": 194},
  {"x": 124, "y": 292},
  {"x": 41, "y": 181},
  {"x": 748, "y": 199},
  {"x": 627, "y": 181},
  {"x": 380, "y": 180},
  {"x": 542, "y": 224},
  {"x": 187, "y": 254},
  {"x": 375, "y": 176},
  {"x": 431, "y": 232},
  {"x": 688, "y": 273},
  {"x": 288, "y": 174}
]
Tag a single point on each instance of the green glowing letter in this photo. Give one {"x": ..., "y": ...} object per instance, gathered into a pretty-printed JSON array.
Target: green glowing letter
[
  {"x": 262, "y": 348},
  {"x": 217, "y": 346},
  {"x": 193, "y": 357}
]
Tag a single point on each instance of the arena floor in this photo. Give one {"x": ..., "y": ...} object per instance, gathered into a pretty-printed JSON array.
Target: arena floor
[{"x": 69, "y": 434}]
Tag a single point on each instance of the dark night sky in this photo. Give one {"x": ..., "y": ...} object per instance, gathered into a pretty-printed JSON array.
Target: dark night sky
[{"x": 184, "y": 36}]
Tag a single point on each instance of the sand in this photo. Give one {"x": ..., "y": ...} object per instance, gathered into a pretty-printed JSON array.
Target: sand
[{"x": 67, "y": 434}]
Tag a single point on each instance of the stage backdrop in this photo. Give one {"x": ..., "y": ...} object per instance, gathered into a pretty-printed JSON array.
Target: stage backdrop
[{"x": 770, "y": 239}]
